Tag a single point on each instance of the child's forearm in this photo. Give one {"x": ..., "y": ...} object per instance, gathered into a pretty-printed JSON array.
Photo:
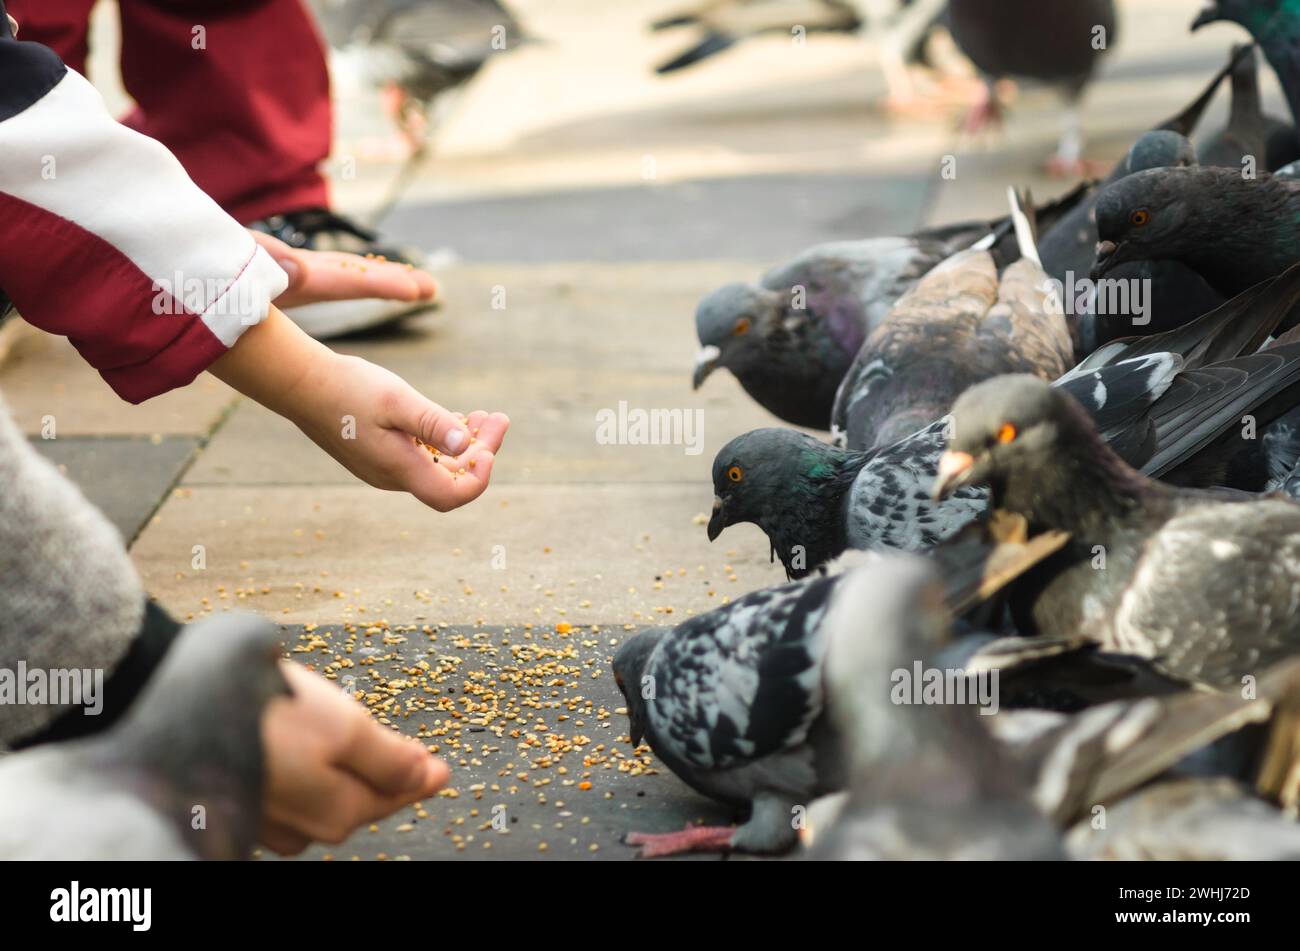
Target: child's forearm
[{"x": 273, "y": 362}]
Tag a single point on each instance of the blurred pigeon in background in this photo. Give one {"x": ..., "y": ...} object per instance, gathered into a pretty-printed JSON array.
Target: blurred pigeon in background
[
  {"x": 1252, "y": 139},
  {"x": 188, "y": 749},
  {"x": 1275, "y": 25},
  {"x": 1058, "y": 44},
  {"x": 899, "y": 30}
]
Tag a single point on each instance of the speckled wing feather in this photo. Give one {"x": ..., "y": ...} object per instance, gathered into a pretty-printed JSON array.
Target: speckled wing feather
[
  {"x": 889, "y": 504},
  {"x": 744, "y": 680}
]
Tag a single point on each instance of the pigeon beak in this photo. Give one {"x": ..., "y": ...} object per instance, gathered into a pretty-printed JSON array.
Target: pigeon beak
[
  {"x": 1209, "y": 14},
  {"x": 1106, "y": 252},
  {"x": 953, "y": 469},
  {"x": 717, "y": 521},
  {"x": 706, "y": 361}
]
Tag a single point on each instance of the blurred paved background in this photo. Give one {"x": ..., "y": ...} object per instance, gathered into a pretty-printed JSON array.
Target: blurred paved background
[{"x": 603, "y": 201}]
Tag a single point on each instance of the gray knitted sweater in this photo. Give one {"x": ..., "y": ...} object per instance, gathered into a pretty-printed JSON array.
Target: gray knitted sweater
[{"x": 69, "y": 595}]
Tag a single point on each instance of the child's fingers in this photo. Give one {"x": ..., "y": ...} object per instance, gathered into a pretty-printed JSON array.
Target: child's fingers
[
  {"x": 444, "y": 486},
  {"x": 392, "y": 764},
  {"x": 491, "y": 429},
  {"x": 424, "y": 419}
]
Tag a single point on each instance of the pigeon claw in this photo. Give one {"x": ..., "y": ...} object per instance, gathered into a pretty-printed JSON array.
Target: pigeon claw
[{"x": 690, "y": 839}]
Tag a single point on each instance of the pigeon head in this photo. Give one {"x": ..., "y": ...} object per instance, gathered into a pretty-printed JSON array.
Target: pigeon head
[
  {"x": 1144, "y": 217},
  {"x": 730, "y": 323},
  {"x": 788, "y": 484},
  {"x": 629, "y": 668},
  {"x": 1159, "y": 148},
  {"x": 1040, "y": 454},
  {"x": 1001, "y": 425}
]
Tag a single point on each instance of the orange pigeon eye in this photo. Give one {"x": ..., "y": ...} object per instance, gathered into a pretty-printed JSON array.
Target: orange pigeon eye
[
  {"x": 735, "y": 474},
  {"x": 742, "y": 327},
  {"x": 1140, "y": 217},
  {"x": 1006, "y": 433}
]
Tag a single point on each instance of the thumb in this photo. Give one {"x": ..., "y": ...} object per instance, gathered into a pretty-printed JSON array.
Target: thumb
[
  {"x": 295, "y": 269},
  {"x": 432, "y": 424}
]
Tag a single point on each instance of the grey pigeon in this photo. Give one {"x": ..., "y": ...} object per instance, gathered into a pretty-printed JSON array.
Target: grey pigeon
[
  {"x": 960, "y": 323},
  {"x": 927, "y": 779},
  {"x": 1160, "y": 401},
  {"x": 790, "y": 339},
  {"x": 180, "y": 776},
  {"x": 1206, "y": 586},
  {"x": 1058, "y": 44},
  {"x": 423, "y": 48},
  {"x": 931, "y": 781},
  {"x": 731, "y": 701}
]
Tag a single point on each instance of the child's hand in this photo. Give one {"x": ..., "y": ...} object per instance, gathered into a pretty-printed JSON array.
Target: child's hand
[
  {"x": 316, "y": 276},
  {"x": 330, "y": 768},
  {"x": 364, "y": 416},
  {"x": 369, "y": 419}
]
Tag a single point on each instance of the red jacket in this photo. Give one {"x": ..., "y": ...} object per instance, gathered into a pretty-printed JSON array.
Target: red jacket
[{"x": 104, "y": 239}]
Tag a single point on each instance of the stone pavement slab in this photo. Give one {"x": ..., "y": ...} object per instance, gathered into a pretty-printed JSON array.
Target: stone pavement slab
[
  {"x": 758, "y": 218},
  {"x": 45, "y": 377},
  {"x": 533, "y": 727},
  {"x": 125, "y": 477},
  {"x": 607, "y": 554}
]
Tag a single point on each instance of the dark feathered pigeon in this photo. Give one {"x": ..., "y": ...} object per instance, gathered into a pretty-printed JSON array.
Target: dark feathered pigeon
[
  {"x": 1176, "y": 293},
  {"x": 180, "y": 776},
  {"x": 1160, "y": 401},
  {"x": 1059, "y": 44},
  {"x": 1071, "y": 244},
  {"x": 1252, "y": 139},
  {"x": 961, "y": 323},
  {"x": 1233, "y": 231},
  {"x": 1207, "y": 587}
]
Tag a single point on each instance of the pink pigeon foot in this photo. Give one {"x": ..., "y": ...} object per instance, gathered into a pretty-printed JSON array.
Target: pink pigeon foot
[{"x": 690, "y": 839}]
